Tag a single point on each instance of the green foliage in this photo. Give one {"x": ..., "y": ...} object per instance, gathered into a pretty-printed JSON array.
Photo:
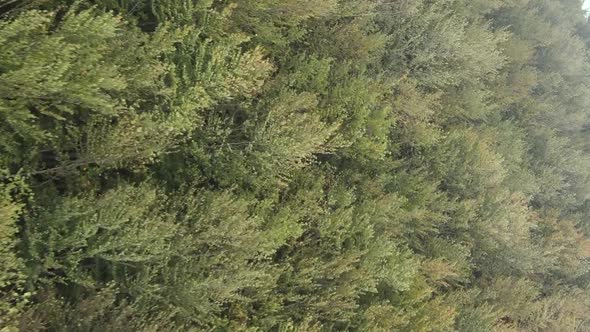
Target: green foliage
[
  {"x": 271, "y": 165},
  {"x": 12, "y": 272}
]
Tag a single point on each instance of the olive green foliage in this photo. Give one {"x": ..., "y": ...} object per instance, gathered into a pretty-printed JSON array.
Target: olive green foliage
[{"x": 294, "y": 165}]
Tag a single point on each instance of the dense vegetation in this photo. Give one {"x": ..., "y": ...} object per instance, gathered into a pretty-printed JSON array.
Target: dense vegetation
[{"x": 294, "y": 165}]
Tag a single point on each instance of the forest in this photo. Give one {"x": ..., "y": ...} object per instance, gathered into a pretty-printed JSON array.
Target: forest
[{"x": 294, "y": 165}]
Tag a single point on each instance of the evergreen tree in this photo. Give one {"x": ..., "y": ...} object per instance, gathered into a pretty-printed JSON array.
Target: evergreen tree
[{"x": 267, "y": 165}]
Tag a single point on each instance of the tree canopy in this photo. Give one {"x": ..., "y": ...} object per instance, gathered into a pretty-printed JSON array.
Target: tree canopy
[{"x": 294, "y": 165}]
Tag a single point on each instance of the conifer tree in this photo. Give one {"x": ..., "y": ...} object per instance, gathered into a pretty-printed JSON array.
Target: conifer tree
[{"x": 265, "y": 165}]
